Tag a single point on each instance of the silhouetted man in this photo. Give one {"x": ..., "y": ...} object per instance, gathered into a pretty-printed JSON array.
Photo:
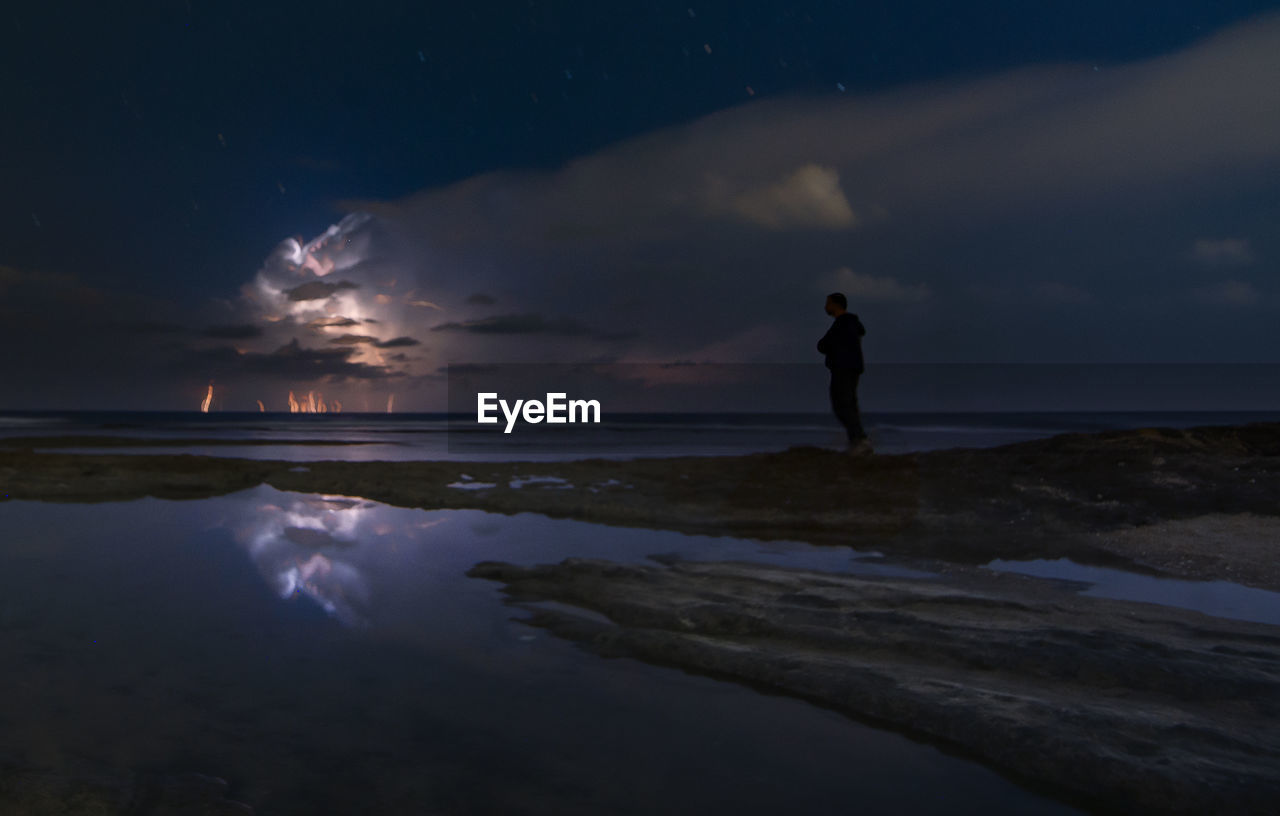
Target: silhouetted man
[{"x": 842, "y": 345}]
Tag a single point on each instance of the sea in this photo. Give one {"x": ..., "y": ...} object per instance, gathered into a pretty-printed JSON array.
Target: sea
[{"x": 441, "y": 436}]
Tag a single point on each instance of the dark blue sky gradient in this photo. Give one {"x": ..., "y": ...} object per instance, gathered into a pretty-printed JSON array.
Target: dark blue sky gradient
[{"x": 113, "y": 119}]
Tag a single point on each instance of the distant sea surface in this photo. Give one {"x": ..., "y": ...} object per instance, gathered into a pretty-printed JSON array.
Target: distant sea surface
[{"x": 401, "y": 437}]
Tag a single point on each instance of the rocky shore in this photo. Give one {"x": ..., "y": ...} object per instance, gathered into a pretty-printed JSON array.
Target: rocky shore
[
  {"x": 1120, "y": 706},
  {"x": 1199, "y": 503}
]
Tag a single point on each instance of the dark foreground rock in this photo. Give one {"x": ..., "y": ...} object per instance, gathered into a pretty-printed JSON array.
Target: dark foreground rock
[
  {"x": 1121, "y": 706},
  {"x": 1082, "y": 496}
]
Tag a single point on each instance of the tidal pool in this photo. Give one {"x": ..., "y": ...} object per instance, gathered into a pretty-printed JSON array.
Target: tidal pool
[
  {"x": 1221, "y": 599},
  {"x": 328, "y": 654}
]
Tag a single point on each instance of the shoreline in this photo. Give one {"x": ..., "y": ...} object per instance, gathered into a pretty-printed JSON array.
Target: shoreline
[
  {"x": 1191, "y": 503},
  {"x": 1115, "y": 704},
  {"x": 56, "y": 441}
]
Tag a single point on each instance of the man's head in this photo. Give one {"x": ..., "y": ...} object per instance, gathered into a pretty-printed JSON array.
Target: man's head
[{"x": 836, "y": 304}]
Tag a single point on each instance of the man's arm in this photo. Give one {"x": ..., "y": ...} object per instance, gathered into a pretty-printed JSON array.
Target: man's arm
[{"x": 825, "y": 343}]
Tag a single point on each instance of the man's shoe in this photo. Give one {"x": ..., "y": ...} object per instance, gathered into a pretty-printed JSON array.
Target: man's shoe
[{"x": 862, "y": 447}]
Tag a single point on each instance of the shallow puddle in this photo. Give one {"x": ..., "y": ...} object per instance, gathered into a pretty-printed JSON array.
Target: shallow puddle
[
  {"x": 328, "y": 654},
  {"x": 1222, "y": 599}
]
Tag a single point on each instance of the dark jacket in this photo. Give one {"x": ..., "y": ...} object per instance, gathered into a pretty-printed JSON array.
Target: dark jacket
[{"x": 843, "y": 343}]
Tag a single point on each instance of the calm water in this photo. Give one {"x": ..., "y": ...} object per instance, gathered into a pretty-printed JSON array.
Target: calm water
[
  {"x": 328, "y": 654},
  {"x": 1222, "y": 599},
  {"x": 426, "y": 436}
]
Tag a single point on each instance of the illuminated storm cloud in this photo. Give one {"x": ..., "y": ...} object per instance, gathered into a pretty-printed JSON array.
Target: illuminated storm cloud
[{"x": 343, "y": 289}]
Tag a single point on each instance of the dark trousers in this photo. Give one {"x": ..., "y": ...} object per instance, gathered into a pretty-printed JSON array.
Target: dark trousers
[{"x": 844, "y": 401}]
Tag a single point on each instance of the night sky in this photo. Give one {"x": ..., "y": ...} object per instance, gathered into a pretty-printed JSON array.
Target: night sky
[{"x": 994, "y": 182}]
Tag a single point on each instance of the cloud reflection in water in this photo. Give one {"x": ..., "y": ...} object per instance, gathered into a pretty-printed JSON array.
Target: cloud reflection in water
[{"x": 316, "y": 545}]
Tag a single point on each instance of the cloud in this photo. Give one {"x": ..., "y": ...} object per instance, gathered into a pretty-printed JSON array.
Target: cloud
[
  {"x": 754, "y": 344},
  {"x": 290, "y": 362},
  {"x": 862, "y": 286},
  {"x": 397, "y": 342},
  {"x": 991, "y": 143},
  {"x": 318, "y": 290},
  {"x": 69, "y": 344},
  {"x": 702, "y": 240},
  {"x": 74, "y": 345},
  {"x": 1223, "y": 252},
  {"x": 240, "y": 331},
  {"x": 522, "y": 324},
  {"x": 1232, "y": 293},
  {"x": 352, "y": 289},
  {"x": 685, "y": 235},
  {"x": 808, "y": 197},
  {"x": 146, "y": 327},
  {"x": 60, "y": 291}
]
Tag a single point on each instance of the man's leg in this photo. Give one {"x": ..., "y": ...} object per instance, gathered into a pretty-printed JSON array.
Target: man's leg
[
  {"x": 854, "y": 423},
  {"x": 844, "y": 402}
]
